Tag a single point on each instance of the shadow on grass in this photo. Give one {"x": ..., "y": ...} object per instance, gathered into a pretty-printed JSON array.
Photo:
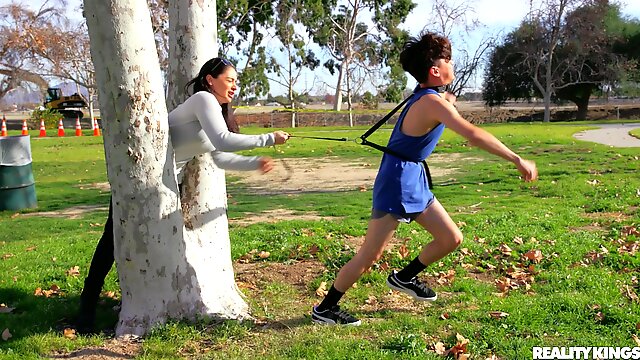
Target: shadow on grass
[{"x": 33, "y": 315}]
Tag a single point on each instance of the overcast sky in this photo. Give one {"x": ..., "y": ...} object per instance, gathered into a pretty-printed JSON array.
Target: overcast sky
[{"x": 497, "y": 16}]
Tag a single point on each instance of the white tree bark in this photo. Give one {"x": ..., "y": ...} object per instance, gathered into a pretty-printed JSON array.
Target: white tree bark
[
  {"x": 149, "y": 249},
  {"x": 192, "y": 41}
]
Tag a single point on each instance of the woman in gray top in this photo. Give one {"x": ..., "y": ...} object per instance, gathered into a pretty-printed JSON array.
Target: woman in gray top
[{"x": 201, "y": 124}]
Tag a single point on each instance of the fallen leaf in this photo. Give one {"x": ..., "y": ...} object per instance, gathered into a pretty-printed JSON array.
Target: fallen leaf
[
  {"x": 313, "y": 249},
  {"x": 444, "y": 316},
  {"x": 15, "y": 215},
  {"x": 636, "y": 339},
  {"x": 6, "y": 334},
  {"x": 439, "y": 348},
  {"x": 6, "y": 256},
  {"x": 403, "y": 252},
  {"x": 599, "y": 316},
  {"x": 74, "y": 271},
  {"x": 492, "y": 357},
  {"x": 518, "y": 240},
  {"x": 70, "y": 333},
  {"x": 505, "y": 250},
  {"x": 264, "y": 254},
  {"x": 371, "y": 300},
  {"x": 110, "y": 294},
  {"x": 384, "y": 266},
  {"x": 533, "y": 255},
  {"x": 30, "y": 248},
  {"x": 498, "y": 314},
  {"x": 638, "y": 326},
  {"x": 631, "y": 294},
  {"x": 362, "y": 188},
  {"x": 322, "y": 289}
]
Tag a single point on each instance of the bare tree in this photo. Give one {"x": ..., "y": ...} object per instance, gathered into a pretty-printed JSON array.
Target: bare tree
[
  {"x": 455, "y": 20},
  {"x": 24, "y": 32}
]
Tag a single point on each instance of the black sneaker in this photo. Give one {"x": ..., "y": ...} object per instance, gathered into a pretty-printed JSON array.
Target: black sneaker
[
  {"x": 417, "y": 289},
  {"x": 333, "y": 316}
]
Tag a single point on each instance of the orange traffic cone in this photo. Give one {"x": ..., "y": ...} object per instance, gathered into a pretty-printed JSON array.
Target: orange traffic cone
[
  {"x": 78, "y": 127},
  {"x": 3, "y": 131},
  {"x": 43, "y": 131},
  {"x": 25, "y": 130},
  {"x": 96, "y": 127},
  {"x": 60, "y": 128}
]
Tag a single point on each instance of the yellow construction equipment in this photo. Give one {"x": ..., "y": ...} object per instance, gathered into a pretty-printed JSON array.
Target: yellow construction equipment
[{"x": 69, "y": 106}]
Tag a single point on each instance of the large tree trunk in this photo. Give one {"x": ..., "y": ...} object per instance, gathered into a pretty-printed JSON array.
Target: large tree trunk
[
  {"x": 149, "y": 246},
  {"x": 192, "y": 39}
]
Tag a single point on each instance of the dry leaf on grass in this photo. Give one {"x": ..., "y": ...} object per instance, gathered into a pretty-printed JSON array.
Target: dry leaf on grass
[
  {"x": 70, "y": 333},
  {"x": 505, "y": 250},
  {"x": 444, "y": 316},
  {"x": 439, "y": 348},
  {"x": 6, "y": 335},
  {"x": 636, "y": 339},
  {"x": 630, "y": 293},
  {"x": 74, "y": 271},
  {"x": 264, "y": 254},
  {"x": 322, "y": 289},
  {"x": 498, "y": 314},
  {"x": 53, "y": 290},
  {"x": 6, "y": 256},
  {"x": 371, "y": 300},
  {"x": 403, "y": 252},
  {"x": 533, "y": 255}
]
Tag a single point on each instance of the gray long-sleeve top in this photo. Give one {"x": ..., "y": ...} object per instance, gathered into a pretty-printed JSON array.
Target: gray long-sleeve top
[{"x": 197, "y": 127}]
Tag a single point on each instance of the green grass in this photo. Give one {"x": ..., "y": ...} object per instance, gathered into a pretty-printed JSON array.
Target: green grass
[
  {"x": 586, "y": 195},
  {"x": 635, "y": 133}
]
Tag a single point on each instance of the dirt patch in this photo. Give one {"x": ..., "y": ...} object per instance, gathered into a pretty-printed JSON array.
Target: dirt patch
[
  {"x": 276, "y": 215},
  {"x": 615, "y": 216},
  {"x": 102, "y": 186},
  {"x": 75, "y": 212},
  {"x": 595, "y": 227},
  {"x": 112, "y": 349},
  {"x": 299, "y": 274},
  {"x": 295, "y": 176}
]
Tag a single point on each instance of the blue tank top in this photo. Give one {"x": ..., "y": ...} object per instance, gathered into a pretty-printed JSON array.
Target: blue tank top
[{"x": 401, "y": 186}]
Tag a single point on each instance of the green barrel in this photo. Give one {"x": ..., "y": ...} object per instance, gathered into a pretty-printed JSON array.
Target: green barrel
[{"x": 17, "y": 186}]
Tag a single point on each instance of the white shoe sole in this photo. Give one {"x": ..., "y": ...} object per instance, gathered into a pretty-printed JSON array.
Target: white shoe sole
[
  {"x": 326, "y": 321},
  {"x": 411, "y": 293}
]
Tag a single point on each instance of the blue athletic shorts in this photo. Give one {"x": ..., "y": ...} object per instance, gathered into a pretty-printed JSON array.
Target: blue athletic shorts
[{"x": 402, "y": 217}]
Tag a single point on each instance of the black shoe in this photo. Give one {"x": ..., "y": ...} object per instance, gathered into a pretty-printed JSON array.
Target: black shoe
[
  {"x": 333, "y": 316},
  {"x": 86, "y": 319},
  {"x": 417, "y": 289}
]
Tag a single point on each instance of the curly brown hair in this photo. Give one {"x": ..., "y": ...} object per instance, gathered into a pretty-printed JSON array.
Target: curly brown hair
[{"x": 420, "y": 53}]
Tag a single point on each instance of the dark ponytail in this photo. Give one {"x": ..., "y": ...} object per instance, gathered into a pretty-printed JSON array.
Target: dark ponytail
[{"x": 214, "y": 67}]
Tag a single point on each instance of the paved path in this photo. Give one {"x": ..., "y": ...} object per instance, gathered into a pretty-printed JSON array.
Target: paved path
[{"x": 611, "y": 134}]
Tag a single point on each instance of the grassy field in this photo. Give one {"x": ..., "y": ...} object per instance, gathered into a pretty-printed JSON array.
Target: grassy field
[{"x": 551, "y": 263}]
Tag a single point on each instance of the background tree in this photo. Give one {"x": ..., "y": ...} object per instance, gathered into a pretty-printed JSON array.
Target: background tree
[
  {"x": 297, "y": 55},
  {"x": 456, "y": 21},
  {"x": 350, "y": 41},
  {"x": 580, "y": 60},
  {"x": 243, "y": 25},
  {"x": 23, "y": 32},
  {"x": 388, "y": 16}
]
